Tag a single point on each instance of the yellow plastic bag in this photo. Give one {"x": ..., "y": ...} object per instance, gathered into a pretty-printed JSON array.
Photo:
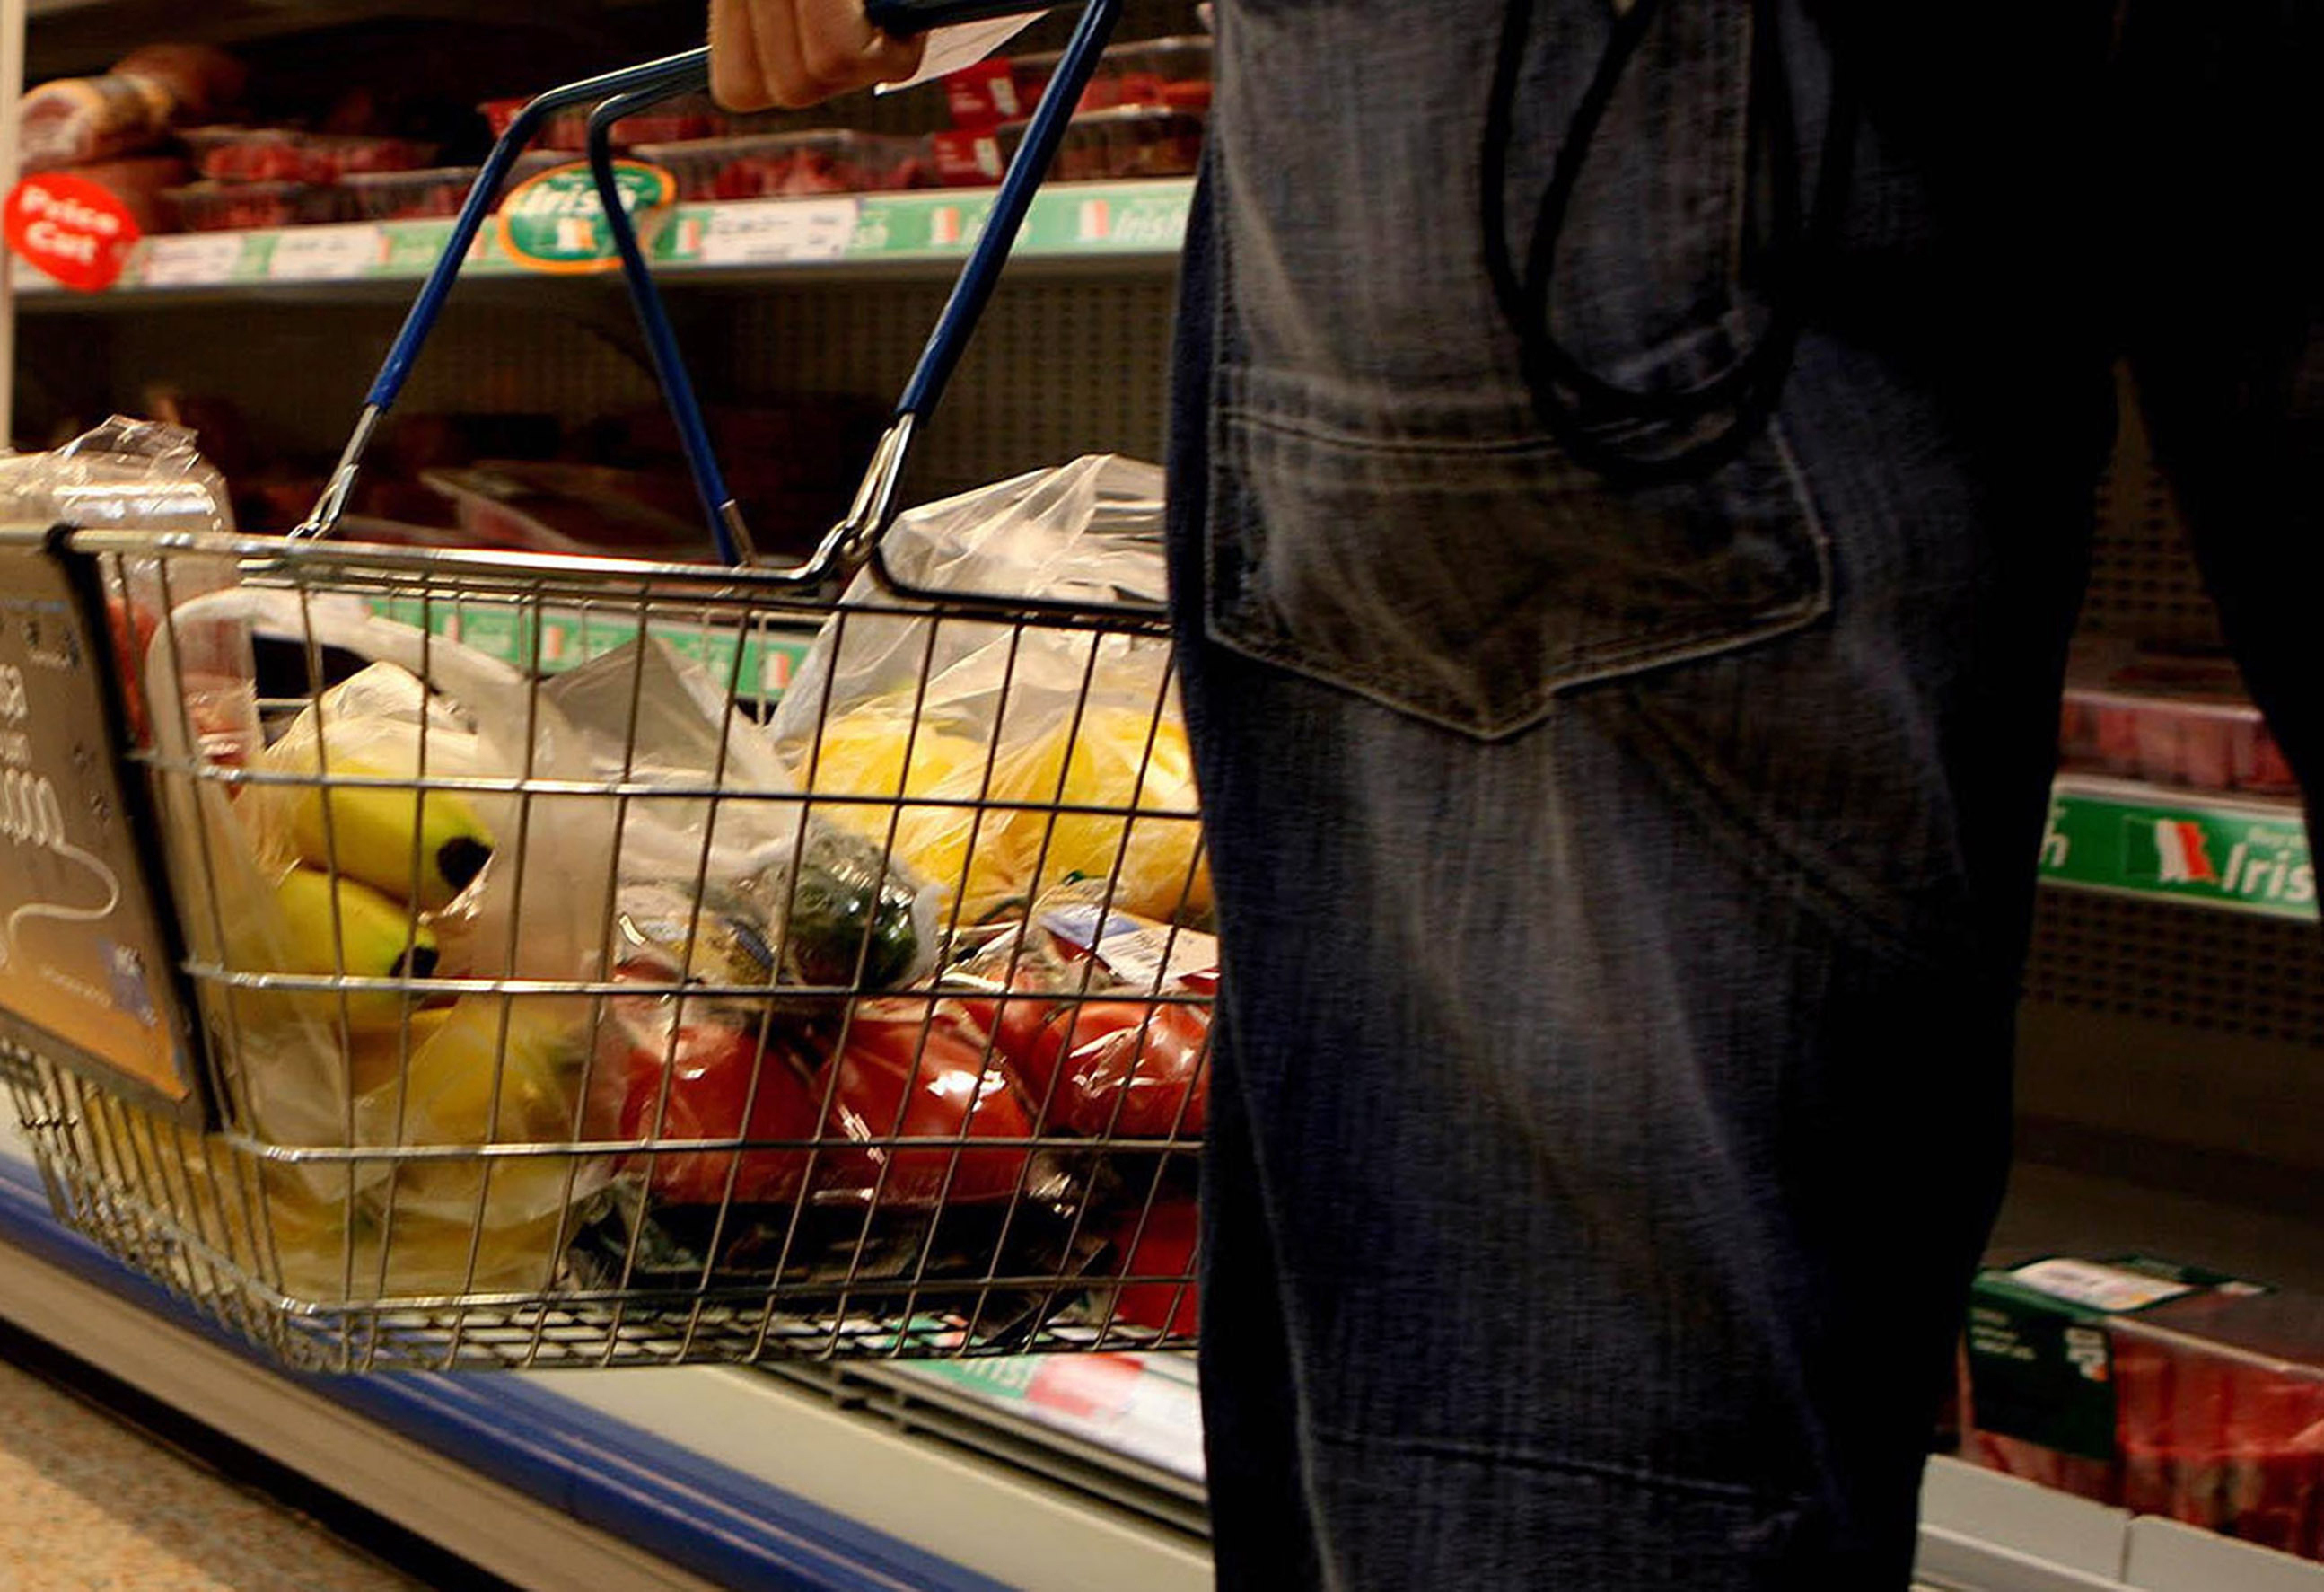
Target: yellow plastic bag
[{"x": 956, "y": 742}]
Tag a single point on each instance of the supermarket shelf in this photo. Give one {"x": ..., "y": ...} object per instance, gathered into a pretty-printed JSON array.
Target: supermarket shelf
[
  {"x": 1126, "y": 1428},
  {"x": 2058, "y": 1209},
  {"x": 1982, "y": 1531},
  {"x": 2236, "y": 854},
  {"x": 1080, "y": 226}
]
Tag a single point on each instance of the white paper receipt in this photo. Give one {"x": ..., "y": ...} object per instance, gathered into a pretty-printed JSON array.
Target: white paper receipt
[{"x": 951, "y": 49}]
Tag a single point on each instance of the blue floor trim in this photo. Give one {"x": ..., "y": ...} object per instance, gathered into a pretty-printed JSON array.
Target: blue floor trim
[{"x": 706, "y": 1517}]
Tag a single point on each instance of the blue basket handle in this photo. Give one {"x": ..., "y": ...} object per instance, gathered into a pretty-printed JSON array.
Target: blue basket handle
[
  {"x": 689, "y": 74},
  {"x": 425, "y": 309},
  {"x": 622, "y": 93},
  {"x": 857, "y": 536}
]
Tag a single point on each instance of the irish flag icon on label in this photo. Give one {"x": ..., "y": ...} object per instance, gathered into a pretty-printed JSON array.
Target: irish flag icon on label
[
  {"x": 2168, "y": 851},
  {"x": 1096, "y": 221}
]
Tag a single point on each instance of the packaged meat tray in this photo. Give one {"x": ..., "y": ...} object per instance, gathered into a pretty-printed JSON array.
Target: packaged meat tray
[
  {"x": 2175, "y": 717},
  {"x": 1129, "y": 141},
  {"x": 405, "y": 196},
  {"x": 1173, "y": 73},
  {"x": 229, "y": 207},
  {"x": 2161, "y": 1388},
  {"x": 677, "y": 122},
  {"x": 434, "y": 191},
  {"x": 775, "y": 164},
  {"x": 283, "y": 154}
]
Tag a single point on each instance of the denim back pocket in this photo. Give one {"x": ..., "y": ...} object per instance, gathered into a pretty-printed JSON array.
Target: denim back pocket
[{"x": 1435, "y": 553}]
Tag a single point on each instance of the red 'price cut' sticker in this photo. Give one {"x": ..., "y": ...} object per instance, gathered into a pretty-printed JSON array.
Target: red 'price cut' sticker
[{"x": 71, "y": 228}]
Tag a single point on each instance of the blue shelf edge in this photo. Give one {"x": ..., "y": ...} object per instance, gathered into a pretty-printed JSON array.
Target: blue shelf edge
[{"x": 704, "y": 1517}]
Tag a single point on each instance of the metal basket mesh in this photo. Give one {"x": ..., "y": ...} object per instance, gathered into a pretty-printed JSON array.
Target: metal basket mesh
[{"x": 847, "y": 1029}]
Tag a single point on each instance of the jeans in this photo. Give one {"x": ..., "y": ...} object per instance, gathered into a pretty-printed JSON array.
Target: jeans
[{"x": 1623, "y": 889}]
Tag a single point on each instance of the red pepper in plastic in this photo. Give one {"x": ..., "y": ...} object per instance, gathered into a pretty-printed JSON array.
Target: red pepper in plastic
[
  {"x": 910, "y": 1071},
  {"x": 1164, "y": 1248},
  {"x": 710, "y": 1065},
  {"x": 1082, "y": 1062}
]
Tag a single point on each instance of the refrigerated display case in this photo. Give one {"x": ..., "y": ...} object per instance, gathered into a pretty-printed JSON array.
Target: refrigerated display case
[{"x": 2173, "y": 1097}]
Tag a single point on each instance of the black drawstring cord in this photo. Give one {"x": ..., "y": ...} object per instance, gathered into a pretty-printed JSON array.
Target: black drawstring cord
[{"x": 1611, "y": 428}]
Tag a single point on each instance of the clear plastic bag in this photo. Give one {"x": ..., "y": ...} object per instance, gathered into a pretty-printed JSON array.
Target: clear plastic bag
[
  {"x": 148, "y": 475},
  {"x": 334, "y": 863},
  {"x": 789, "y": 898},
  {"x": 981, "y": 728}
]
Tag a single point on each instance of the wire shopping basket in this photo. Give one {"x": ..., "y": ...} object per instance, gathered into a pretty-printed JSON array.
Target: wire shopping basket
[{"x": 400, "y": 1001}]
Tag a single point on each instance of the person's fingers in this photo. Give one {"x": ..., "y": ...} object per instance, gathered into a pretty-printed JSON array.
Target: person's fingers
[
  {"x": 774, "y": 24},
  {"x": 736, "y": 80},
  {"x": 797, "y": 52},
  {"x": 841, "y": 50}
]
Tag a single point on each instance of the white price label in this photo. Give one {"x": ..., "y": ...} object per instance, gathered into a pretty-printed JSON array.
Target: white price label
[
  {"x": 326, "y": 254},
  {"x": 2111, "y": 1289},
  {"x": 191, "y": 259},
  {"x": 769, "y": 232}
]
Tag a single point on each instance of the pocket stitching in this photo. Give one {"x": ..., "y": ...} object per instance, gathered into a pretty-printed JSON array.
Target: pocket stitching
[{"x": 1242, "y": 624}]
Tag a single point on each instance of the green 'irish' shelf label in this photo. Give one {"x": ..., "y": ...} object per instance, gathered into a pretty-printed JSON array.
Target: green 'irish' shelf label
[
  {"x": 2244, "y": 856},
  {"x": 555, "y": 223}
]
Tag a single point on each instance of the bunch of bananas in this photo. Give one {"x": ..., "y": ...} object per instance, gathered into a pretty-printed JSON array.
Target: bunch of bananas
[{"x": 373, "y": 861}]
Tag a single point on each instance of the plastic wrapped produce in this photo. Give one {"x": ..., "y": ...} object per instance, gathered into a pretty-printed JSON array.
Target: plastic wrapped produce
[
  {"x": 489, "y": 1072},
  {"x": 1101, "y": 1017},
  {"x": 336, "y": 867},
  {"x": 423, "y": 845},
  {"x": 915, "y": 1090},
  {"x": 954, "y": 738},
  {"x": 296, "y": 1233},
  {"x": 1157, "y": 1242}
]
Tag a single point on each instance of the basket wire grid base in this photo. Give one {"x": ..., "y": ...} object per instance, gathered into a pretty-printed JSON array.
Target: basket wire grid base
[{"x": 163, "y": 1241}]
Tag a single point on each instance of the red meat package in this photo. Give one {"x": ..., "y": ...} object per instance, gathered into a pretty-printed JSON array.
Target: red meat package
[
  {"x": 1102, "y": 1017},
  {"x": 2175, "y": 716},
  {"x": 74, "y": 120},
  {"x": 889, "y": 1117},
  {"x": 792, "y": 165},
  {"x": 2165, "y": 1389}
]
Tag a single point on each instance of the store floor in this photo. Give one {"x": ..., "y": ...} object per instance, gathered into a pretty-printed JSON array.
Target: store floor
[{"x": 87, "y": 1502}]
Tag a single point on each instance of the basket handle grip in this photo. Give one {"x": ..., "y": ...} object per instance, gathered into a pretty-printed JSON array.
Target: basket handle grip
[
  {"x": 620, "y": 93},
  {"x": 428, "y": 305}
]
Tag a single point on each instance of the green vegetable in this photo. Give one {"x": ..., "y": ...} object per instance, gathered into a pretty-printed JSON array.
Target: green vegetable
[{"x": 850, "y": 921}]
